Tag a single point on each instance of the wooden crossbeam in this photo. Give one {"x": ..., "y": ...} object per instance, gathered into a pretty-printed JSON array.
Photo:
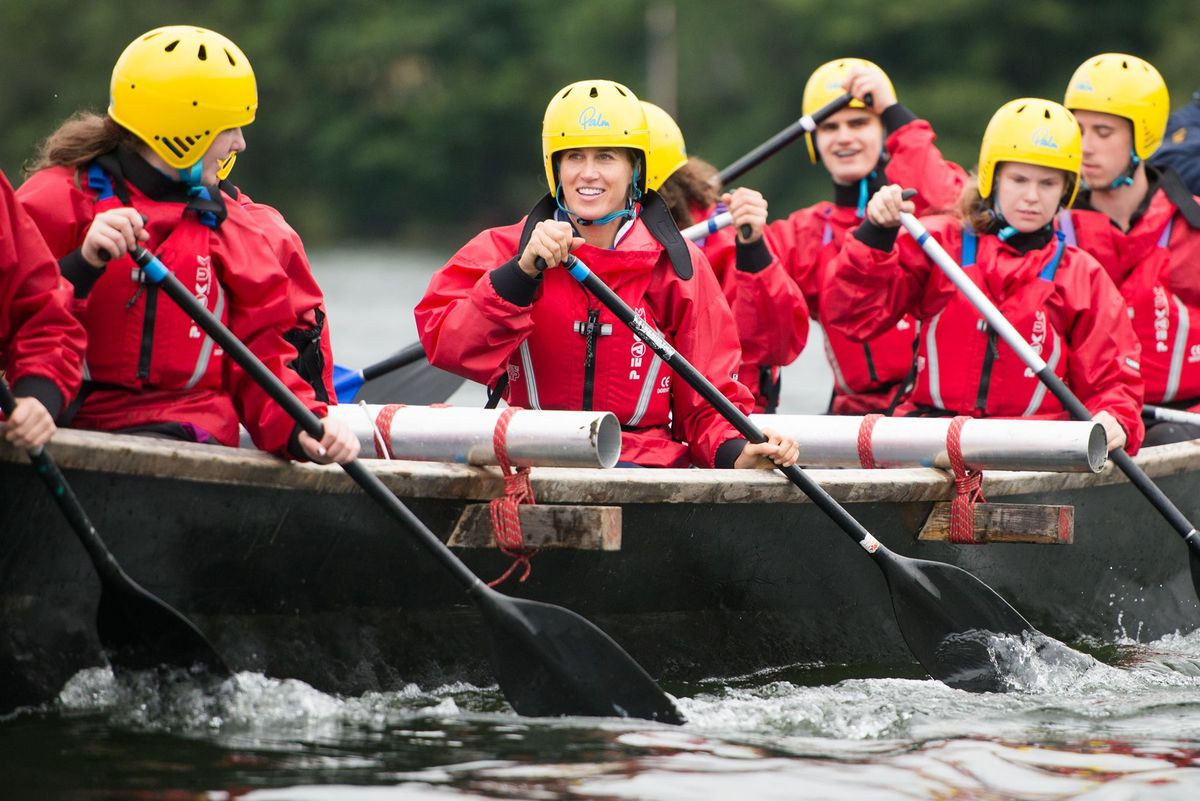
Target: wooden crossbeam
[
  {"x": 1007, "y": 522},
  {"x": 588, "y": 528}
]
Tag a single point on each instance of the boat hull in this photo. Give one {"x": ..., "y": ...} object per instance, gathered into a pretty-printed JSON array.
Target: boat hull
[{"x": 293, "y": 572}]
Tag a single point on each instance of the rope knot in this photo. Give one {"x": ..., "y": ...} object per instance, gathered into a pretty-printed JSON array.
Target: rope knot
[
  {"x": 968, "y": 486},
  {"x": 505, "y": 510}
]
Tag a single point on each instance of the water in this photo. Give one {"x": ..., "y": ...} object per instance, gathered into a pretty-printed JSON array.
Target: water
[{"x": 1127, "y": 727}]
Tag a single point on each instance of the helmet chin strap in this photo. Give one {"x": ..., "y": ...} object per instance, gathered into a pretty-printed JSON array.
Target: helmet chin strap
[
  {"x": 630, "y": 210},
  {"x": 192, "y": 175},
  {"x": 1007, "y": 232},
  {"x": 1124, "y": 179}
]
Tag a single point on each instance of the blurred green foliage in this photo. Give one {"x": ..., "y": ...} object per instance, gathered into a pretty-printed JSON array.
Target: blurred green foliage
[{"x": 418, "y": 120}]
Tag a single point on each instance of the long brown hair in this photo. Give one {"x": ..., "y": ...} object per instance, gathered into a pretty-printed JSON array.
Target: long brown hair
[
  {"x": 973, "y": 209},
  {"x": 693, "y": 184},
  {"x": 79, "y": 139}
]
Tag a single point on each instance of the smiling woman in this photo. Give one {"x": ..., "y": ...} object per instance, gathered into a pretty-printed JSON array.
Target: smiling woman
[{"x": 501, "y": 313}]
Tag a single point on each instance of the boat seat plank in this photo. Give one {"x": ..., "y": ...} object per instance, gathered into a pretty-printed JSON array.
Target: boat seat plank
[
  {"x": 1007, "y": 522},
  {"x": 586, "y": 528}
]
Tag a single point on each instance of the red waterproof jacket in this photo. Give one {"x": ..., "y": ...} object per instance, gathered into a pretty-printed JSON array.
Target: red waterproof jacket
[
  {"x": 866, "y": 375},
  {"x": 41, "y": 342},
  {"x": 310, "y": 334},
  {"x": 1156, "y": 265},
  {"x": 567, "y": 351},
  {"x": 147, "y": 361},
  {"x": 771, "y": 315},
  {"x": 1076, "y": 320}
]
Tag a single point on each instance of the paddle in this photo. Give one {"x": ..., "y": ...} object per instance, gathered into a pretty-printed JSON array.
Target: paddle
[
  {"x": 1046, "y": 375},
  {"x": 1151, "y": 412},
  {"x": 404, "y": 377},
  {"x": 806, "y": 124},
  {"x": 547, "y": 660},
  {"x": 946, "y": 615},
  {"x": 138, "y": 630}
]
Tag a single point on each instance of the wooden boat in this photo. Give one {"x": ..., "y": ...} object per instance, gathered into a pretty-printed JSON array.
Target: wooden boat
[{"x": 291, "y": 571}]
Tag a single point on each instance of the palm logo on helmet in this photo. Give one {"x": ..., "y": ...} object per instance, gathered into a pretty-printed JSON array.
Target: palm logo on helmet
[
  {"x": 594, "y": 113},
  {"x": 1124, "y": 86},
  {"x": 179, "y": 86},
  {"x": 1031, "y": 131},
  {"x": 825, "y": 85},
  {"x": 667, "y": 151}
]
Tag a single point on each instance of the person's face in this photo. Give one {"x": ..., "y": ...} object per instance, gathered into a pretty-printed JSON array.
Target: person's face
[
  {"x": 1028, "y": 194},
  {"x": 849, "y": 143},
  {"x": 1107, "y": 143},
  {"x": 595, "y": 180},
  {"x": 225, "y": 143}
]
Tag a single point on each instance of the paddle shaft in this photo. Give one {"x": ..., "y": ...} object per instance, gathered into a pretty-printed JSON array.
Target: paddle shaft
[
  {"x": 402, "y": 358},
  {"x": 157, "y": 273},
  {"x": 64, "y": 496},
  {"x": 806, "y": 124},
  {"x": 1000, "y": 324},
  {"x": 696, "y": 380},
  {"x": 1166, "y": 414}
]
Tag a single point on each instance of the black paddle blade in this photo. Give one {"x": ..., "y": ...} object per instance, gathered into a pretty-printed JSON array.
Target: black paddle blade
[
  {"x": 139, "y": 631},
  {"x": 418, "y": 384},
  {"x": 550, "y": 662},
  {"x": 1194, "y": 558},
  {"x": 949, "y": 619}
]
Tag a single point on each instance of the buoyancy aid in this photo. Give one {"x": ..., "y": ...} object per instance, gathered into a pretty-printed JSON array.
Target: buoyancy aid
[
  {"x": 1167, "y": 327},
  {"x": 866, "y": 375},
  {"x": 151, "y": 344}
]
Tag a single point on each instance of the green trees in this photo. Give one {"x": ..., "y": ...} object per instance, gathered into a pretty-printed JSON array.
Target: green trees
[{"x": 419, "y": 119}]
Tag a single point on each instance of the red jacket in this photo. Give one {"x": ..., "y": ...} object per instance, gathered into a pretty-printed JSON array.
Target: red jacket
[
  {"x": 310, "y": 335},
  {"x": 866, "y": 374},
  {"x": 467, "y": 327},
  {"x": 1156, "y": 265},
  {"x": 1076, "y": 320},
  {"x": 41, "y": 343},
  {"x": 148, "y": 361},
  {"x": 771, "y": 315}
]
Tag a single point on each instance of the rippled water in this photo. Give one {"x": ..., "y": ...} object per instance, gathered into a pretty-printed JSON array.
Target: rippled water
[{"x": 1074, "y": 729}]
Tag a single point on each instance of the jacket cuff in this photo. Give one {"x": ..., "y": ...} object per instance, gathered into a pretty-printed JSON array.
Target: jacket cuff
[
  {"x": 81, "y": 274},
  {"x": 895, "y": 117},
  {"x": 512, "y": 284},
  {"x": 728, "y": 453},
  {"x": 42, "y": 389},
  {"x": 877, "y": 237},
  {"x": 753, "y": 257}
]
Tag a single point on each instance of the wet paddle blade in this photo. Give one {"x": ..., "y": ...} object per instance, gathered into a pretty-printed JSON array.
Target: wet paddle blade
[
  {"x": 949, "y": 619},
  {"x": 418, "y": 384},
  {"x": 551, "y": 662},
  {"x": 139, "y": 631}
]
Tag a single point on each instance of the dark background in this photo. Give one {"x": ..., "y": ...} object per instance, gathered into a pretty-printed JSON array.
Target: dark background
[{"x": 419, "y": 121}]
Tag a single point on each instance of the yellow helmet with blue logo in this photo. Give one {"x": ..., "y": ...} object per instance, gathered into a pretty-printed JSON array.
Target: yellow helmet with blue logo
[
  {"x": 1031, "y": 131},
  {"x": 1124, "y": 86},
  {"x": 594, "y": 113},
  {"x": 825, "y": 85},
  {"x": 179, "y": 86}
]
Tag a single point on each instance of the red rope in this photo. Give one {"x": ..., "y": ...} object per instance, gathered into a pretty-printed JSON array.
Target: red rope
[
  {"x": 505, "y": 511},
  {"x": 968, "y": 485},
  {"x": 866, "y": 454},
  {"x": 383, "y": 429}
]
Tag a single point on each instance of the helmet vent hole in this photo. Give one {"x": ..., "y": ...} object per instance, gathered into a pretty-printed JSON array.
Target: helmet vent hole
[
  {"x": 1046, "y": 113},
  {"x": 1020, "y": 109},
  {"x": 232, "y": 60},
  {"x": 195, "y": 102},
  {"x": 172, "y": 46},
  {"x": 202, "y": 53},
  {"x": 621, "y": 93},
  {"x": 564, "y": 94},
  {"x": 594, "y": 93}
]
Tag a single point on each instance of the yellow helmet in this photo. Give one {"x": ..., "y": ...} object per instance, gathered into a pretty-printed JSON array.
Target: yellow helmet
[
  {"x": 179, "y": 86},
  {"x": 1125, "y": 86},
  {"x": 1031, "y": 131},
  {"x": 667, "y": 152},
  {"x": 594, "y": 113},
  {"x": 825, "y": 84}
]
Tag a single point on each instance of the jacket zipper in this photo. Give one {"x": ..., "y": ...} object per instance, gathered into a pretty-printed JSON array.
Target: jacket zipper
[
  {"x": 591, "y": 332},
  {"x": 147, "y": 332},
  {"x": 985, "y": 375}
]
